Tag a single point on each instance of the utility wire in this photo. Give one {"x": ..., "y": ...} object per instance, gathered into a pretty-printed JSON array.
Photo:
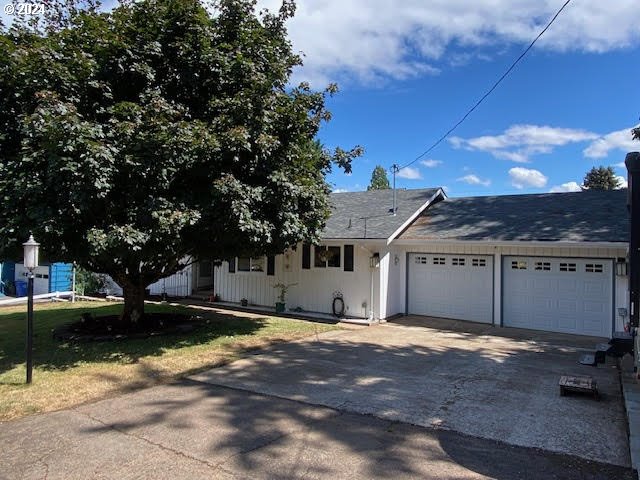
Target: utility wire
[{"x": 493, "y": 87}]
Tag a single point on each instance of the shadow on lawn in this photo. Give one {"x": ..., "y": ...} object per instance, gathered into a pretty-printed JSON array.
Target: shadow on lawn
[
  {"x": 51, "y": 354},
  {"x": 267, "y": 436}
]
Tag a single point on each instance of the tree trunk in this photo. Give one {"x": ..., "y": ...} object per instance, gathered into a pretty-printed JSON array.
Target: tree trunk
[{"x": 133, "y": 312}]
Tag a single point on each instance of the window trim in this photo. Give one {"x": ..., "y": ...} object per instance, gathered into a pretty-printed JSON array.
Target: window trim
[
  {"x": 251, "y": 271},
  {"x": 326, "y": 262}
]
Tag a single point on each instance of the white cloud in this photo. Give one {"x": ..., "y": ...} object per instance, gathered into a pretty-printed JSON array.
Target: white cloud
[
  {"x": 340, "y": 190},
  {"x": 430, "y": 163},
  {"x": 472, "y": 179},
  {"x": 527, "y": 177},
  {"x": 409, "y": 173},
  {"x": 519, "y": 142},
  {"x": 373, "y": 39},
  {"x": 566, "y": 187},
  {"x": 618, "y": 140},
  {"x": 622, "y": 182}
]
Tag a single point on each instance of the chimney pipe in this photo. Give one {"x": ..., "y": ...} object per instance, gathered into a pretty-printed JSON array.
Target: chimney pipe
[{"x": 632, "y": 162}]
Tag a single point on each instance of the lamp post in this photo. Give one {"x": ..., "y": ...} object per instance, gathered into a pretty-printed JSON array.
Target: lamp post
[{"x": 31, "y": 248}]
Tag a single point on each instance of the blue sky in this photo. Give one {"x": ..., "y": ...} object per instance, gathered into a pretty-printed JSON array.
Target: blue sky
[{"x": 408, "y": 70}]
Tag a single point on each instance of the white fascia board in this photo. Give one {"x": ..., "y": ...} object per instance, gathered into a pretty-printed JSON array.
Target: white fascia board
[
  {"x": 415, "y": 215},
  {"x": 376, "y": 241},
  {"x": 512, "y": 243}
]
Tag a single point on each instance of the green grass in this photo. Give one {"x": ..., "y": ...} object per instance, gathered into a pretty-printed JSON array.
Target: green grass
[{"x": 67, "y": 374}]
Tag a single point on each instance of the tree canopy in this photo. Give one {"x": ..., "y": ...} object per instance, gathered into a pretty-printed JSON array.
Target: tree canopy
[
  {"x": 601, "y": 178},
  {"x": 162, "y": 130},
  {"x": 379, "y": 179}
]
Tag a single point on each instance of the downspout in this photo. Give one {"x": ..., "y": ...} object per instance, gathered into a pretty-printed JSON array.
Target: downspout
[{"x": 370, "y": 317}]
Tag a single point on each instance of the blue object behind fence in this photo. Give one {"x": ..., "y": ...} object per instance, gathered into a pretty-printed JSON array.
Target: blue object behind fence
[{"x": 60, "y": 277}]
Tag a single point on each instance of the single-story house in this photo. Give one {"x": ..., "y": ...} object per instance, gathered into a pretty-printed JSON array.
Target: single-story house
[{"x": 555, "y": 261}]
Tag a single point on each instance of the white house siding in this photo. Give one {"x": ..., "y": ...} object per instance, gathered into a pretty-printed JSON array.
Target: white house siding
[
  {"x": 314, "y": 288},
  {"x": 398, "y": 305},
  {"x": 179, "y": 284},
  {"x": 393, "y": 282}
]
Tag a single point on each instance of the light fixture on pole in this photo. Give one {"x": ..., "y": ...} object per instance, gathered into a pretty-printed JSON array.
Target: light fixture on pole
[{"x": 31, "y": 249}]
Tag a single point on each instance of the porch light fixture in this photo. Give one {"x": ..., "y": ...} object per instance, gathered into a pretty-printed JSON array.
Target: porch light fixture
[
  {"x": 374, "y": 260},
  {"x": 622, "y": 267},
  {"x": 31, "y": 248}
]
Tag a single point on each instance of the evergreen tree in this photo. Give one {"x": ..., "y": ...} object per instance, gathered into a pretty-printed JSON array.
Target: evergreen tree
[
  {"x": 601, "y": 178},
  {"x": 379, "y": 180}
]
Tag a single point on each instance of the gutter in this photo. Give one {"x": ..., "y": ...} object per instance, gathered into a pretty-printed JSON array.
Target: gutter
[{"x": 511, "y": 243}]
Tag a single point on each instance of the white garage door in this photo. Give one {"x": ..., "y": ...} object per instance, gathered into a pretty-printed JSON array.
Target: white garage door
[
  {"x": 568, "y": 295},
  {"x": 451, "y": 286}
]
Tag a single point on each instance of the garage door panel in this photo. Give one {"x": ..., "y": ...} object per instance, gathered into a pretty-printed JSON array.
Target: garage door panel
[
  {"x": 570, "y": 296},
  {"x": 451, "y": 286}
]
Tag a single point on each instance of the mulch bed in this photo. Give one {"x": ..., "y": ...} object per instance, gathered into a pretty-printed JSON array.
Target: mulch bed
[{"x": 109, "y": 328}]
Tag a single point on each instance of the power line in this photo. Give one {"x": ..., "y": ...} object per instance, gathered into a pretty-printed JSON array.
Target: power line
[{"x": 395, "y": 168}]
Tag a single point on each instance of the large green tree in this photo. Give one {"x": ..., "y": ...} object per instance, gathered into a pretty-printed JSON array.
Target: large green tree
[
  {"x": 379, "y": 179},
  {"x": 162, "y": 130},
  {"x": 601, "y": 178}
]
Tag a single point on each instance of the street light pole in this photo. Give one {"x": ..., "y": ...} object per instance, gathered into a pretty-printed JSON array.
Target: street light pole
[{"x": 31, "y": 248}]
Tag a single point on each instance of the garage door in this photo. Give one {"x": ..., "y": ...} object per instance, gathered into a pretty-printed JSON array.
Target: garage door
[
  {"x": 568, "y": 295},
  {"x": 451, "y": 286}
]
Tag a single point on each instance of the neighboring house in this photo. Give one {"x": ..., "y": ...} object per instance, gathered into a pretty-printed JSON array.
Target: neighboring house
[{"x": 553, "y": 262}]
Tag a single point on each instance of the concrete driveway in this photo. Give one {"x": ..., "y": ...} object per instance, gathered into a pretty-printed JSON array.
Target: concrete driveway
[
  {"x": 490, "y": 399},
  {"x": 491, "y": 383}
]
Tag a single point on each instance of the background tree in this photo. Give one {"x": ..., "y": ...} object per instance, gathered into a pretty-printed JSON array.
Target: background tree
[
  {"x": 601, "y": 178},
  {"x": 133, "y": 139},
  {"x": 379, "y": 180}
]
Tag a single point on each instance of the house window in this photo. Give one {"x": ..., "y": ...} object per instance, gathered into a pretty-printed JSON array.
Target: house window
[
  {"x": 594, "y": 267},
  {"x": 348, "y": 258},
  {"x": 271, "y": 265},
  {"x": 478, "y": 262},
  {"x": 247, "y": 264},
  {"x": 324, "y": 256},
  {"x": 420, "y": 260},
  {"x": 232, "y": 265},
  {"x": 457, "y": 262},
  {"x": 519, "y": 265},
  {"x": 567, "y": 267},
  {"x": 439, "y": 261},
  {"x": 546, "y": 266}
]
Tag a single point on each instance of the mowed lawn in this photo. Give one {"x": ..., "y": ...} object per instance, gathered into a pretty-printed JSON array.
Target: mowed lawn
[{"x": 66, "y": 373}]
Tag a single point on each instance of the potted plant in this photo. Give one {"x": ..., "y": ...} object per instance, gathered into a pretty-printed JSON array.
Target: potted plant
[
  {"x": 280, "y": 304},
  {"x": 244, "y": 302}
]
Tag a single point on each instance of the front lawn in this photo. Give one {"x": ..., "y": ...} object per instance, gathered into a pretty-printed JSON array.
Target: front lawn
[{"x": 67, "y": 374}]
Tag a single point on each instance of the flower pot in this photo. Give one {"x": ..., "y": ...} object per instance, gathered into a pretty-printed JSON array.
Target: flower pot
[
  {"x": 280, "y": 307},
  {"x": 244, "y": 302}
]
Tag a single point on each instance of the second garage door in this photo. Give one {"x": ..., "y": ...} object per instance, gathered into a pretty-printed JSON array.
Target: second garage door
[
  {"x": 568, "y": 295},
  {"x": 451, "y": 286}
]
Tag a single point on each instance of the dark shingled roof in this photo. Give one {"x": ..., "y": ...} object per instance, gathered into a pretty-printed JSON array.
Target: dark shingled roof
[
  {"x": 350, "y": 209},
  {"x": 590, "y": 216}
]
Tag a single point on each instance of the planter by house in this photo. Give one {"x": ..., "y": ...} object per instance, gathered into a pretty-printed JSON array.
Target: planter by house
[{"x": 280, "y": 304}]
